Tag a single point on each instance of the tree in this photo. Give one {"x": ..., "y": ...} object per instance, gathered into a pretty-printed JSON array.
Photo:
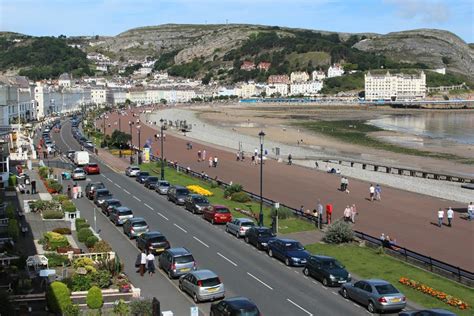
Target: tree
[
  {"x": 119, "y": 139},
  {"x": 58, "y": 297},
  {"x": 121, "y": 308},
  {"x": 94, "y": 298}
]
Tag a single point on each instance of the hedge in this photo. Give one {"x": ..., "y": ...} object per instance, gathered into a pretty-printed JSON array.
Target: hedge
[
  {"x": 240, "y": 197},
  {"x": 55, "y": 240},
  {"x": 10, "y": 211},
  {"x": 12, "y": 181},
  {"x": 13, "y": 229},
  {"x": 62, "y": 230},
  {"x": 58, "y": 297},
  {"x": 52, "y": 214},
  {"x": 94, "y": 298},
  {"x": 83, "y": 234},
  {"x": 91, "y": 241},
  {"x": 68, "y": 206},
  {"x": 56, "y": 260}
]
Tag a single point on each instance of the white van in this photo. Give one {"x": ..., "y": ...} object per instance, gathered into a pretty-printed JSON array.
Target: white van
[{"x": 81, "y": 158}]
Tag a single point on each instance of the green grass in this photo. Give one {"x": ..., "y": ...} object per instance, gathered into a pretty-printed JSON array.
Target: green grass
[
  {"x": 356, "y": 132},
  {"x": 369, "y": 263},
  {"x": 316, "y": 58},
  {"x": 285, "y": 226}
]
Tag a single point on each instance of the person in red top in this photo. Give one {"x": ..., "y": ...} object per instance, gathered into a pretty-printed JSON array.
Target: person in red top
[{"x": 329, "y": 213}]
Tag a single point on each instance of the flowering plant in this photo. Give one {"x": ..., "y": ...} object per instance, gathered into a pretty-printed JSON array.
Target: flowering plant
[
  {"x": 448, "y": 299},
  {"x": 199, "y": 190}
]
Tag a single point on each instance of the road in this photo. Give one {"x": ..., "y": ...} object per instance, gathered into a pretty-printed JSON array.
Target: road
[{"x": 274, "y": 287}]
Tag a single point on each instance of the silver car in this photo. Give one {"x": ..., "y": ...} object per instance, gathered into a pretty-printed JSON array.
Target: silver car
[
  {"x": 377, "y": 295},
  {"x": 239, "y": 226},
  {"x": 176, "y": 262},
  {"x": 202, "y": 285},
  {"x": 162, "y": 187},
  {"x": 132, "y": 171},
  {"x": 78, "y": 174},
  {"x": 134, "y": 227},
  {"x": 120, "y": 215}
]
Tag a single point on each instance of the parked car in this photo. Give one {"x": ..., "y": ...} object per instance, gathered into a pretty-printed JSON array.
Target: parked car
[
  {"x": 78, "y": 174},
  {"x": 70, "y": 154},
  {"x": 153, "y": 241},
  {"x": 109, "y": 204},
  {"x": 202, "y": 285},
  {"x": 238, "y": 226},
  {"x": 259, "y": 236},
  {"x": 377, "y": 295},
  {"x": 196, "y": 203},
  {"x": 92, "y": 168},
  {"x": 92, "y": 187},
  {"x": 132, "y": 171},
  {"x": 162, "y": 187},
  {"x": 151, "y": 182},
  {"x": 101, "y": 195},
  {"x": 177, "y": 194},
  {"x": 235, "y": 306},
  {"x": 289, "y": 251},
  {"x": 176, "y": 262},
  {"x": 88, "y": 144},
  {"x": 135, "y": 226},
  {"x": 217, "y": 214},
  {"x": 141, "y": 176},
  {"x": 427, "y": 312},
  {"x": 119, "y": 215},
  {"x": 327, "y": 270}
]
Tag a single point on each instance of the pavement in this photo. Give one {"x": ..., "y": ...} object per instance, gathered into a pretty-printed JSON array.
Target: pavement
[{"x": 408, "y": 217}]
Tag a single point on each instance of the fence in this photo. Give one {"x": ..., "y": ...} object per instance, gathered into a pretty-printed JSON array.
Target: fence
[
  {"x": 59, "y": 164},
  {"x": 430, "y": 263}
]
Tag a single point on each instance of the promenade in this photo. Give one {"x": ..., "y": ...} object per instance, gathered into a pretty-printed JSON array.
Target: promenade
[{"x": 408, "y": 217}]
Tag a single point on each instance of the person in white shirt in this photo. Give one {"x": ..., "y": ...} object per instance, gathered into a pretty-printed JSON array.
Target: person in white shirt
[
  {"x": 440, "y": 217},
  {"x": 347, "y": 213},
  {"x": 470, "y": 211},
  {"x": 142, "y": 262},
  {"x": 450, "y": 214},
  {"x": 150, "y": 263},
  {"x": 371, "y": 192}
]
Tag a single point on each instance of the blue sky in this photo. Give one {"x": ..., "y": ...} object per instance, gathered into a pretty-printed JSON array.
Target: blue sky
[{"x": 111, "y": 17}]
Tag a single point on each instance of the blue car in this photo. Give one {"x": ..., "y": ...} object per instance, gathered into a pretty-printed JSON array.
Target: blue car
[
  {"x": 289, "y": 251},
  {"x": 142, "y": 176}
]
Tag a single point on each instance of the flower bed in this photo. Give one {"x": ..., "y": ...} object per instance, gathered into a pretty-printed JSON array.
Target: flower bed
[
  {"x": 448, "y": 299},
  {"x": 199, "y": 190}
]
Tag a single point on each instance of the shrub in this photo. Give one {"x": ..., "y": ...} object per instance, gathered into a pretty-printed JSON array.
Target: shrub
[
  {"x": 283, "y": 213},
  {"x": 68, "y": 206},
  {"x": 213, "y": 184},
  {"x": 91, "y": 241},
  {"x": 62, "y": 230},
  {"x": 71, "y": 310},
  {"x": 339, "y": 232},
  {"x": 10, "y": 211},
  {"x": 55, "y": 240},
  {"x": 83, "y": 262},
  {"x": 81, "y": 282},
  {"x": 13, "y": 229},
  {"x": 101, "y": 246},
  {"x": 121, "y": 308},
  {"x": 56, "y": 260},
  {"x": 102, "y": 279},
  {"x": 240, "y": 197},
  {"x": 58, "y": 297},
  {"x": 83, "y": 234},
  {"x": 94, "y": 298},
  {"x": 232, "y": 189},
  {"x": 43, "y": 172},
  {"x": 143, "y": 307},
  {"x": 60, "y": 198},
  {"x": 53, "y": 214},
  {"x": 54, "y": 185},
  {"x": 12, "y": 181}
]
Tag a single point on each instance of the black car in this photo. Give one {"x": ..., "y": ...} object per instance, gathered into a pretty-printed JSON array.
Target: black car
[
  {"x": 235, "y": 306},
  {"x": 109, "y": 204},
  {"x": 151, "y": 182},
  {"x": 327, "y": 270},
  {"x": 101, "y": 195},
  {"x": 259, "y": 236},
  {"x": 177, "y": 194},
  {"x": 154, "y": 241},
  {"x": 92, "y": 187},
  {"x": 141, "y": 176},
  {"x": 196, "y": 203},
  {"x": 427, "y": 312}
]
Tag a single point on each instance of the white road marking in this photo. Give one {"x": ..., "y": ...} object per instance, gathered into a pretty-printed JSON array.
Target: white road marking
[
  {"x": 162, "y": 216},
  {"x": 202, "y": 242},
  {"x": 126, "y": 191},
  {"x": 253, "y": 276},
  {"x": 324, "y": 287},
  {"x": 109, "y": 179},
  {"x": 334, "y": 293},
  {"x": 137, "y": 198},
  {"x": 151, "y": 208},
  {"x": 356, "y": 305},
  {"x": 181, "y": 228},
  {"x": 304, "y": 310},
  {"x": 295, "y": 271},
  {"x": 225, "y": 258},
  {"x": 314, "y": 282},
  {"x": 103, "y": 175},
  {"x": 117, "y": 185}
]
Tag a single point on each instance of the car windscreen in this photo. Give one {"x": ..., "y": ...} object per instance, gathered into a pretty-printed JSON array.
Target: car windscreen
[
  {"x": 247, "y": 224},
  {"x": 157, "y": 239},
  {"x": 184, "y": 259},
  {"x": 251, "y": 311},
  {"x": 93, "y": 165},
  {"x": 125, "y": 212},
  {"x": 200, "y": 200},
  {"x": 139, "y": 224},
  {"x": 152, "y": 179},
  {"x": 331, "y": 264},
  {"x": 103, "y": 193},
  {"x": 386, "y": 289},
  {"x": 265, "y": 233},
  {"x": 114, "y": 203},
  {"x": 182, "y": 192},
  {"x": 222, "y": 211},
  {"x": 294, "y": 246},
  {"x": 164, "y": 184},
  {"x": 144, "y": 174},
  {"x": 211, "y": 282}
]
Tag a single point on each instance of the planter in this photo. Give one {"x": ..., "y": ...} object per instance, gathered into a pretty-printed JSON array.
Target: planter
[{"x": 126, "y": 288}]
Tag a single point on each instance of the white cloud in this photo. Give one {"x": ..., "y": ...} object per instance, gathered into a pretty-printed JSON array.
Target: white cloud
[{"x": 426, "y": 10}]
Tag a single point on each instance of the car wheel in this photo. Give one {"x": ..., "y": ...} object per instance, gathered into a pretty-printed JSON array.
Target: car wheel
[
  {"x": 212, "y": 313},
  {"x": 180, "y": 285},
  {"x": 247, "y": 240},
  {"x": 212, "y": 221},
  {"x": 259, "y": 246},
  {"x": 237, "y": 234},
  {"x": 306, "y": 271},
  {"x": 227, "y": 229},
  {"x": 270, "y": 253},
  {"x": 195, "y": 298},
  {"x": 344, "y": 293},
  {"x": 287, "y": 262},
  {"x": 371, "y": 307},
  {"x": 169, "y": 274},
  {"x": 325, "y": 282}
]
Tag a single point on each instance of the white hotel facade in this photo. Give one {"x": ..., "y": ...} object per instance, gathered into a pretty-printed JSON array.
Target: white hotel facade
[{"x": 395, "y": 87}]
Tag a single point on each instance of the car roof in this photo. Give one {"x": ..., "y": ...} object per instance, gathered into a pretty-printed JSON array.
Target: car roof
[
  {"x": 323, "y": 257},
  {"x": 261, "y": 228},
  {"x": 179, "y": 251},
  {"x": 286, "y": 240},
  {"x": 152, "y": 177},
  {"x": 102, "y": 190},
  {"x": 154, "y": 233},
  {"x": 134, "y": 167},
  {"x": 180, "y": 187},
  {"x": 122, "y": 208},
  {"x": 112, "y": 200},
  {"x": 137, "y": 219},
  {"x": 376, "y": 281},
  {"x": 195, "y": 195},
  {"x": 164, "y": 181},
  {"x": 220, "y": 206},
  {"x": 240, "y": 302},
  {"x": 244, "y": 219},
  {"x": 78, "y": 169},
  {"x": 204, "y": 274}
]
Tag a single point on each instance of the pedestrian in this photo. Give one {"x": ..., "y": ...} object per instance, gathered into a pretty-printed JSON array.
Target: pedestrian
[
  {"x": 347, "y": 213},
  {"x": 69, "y": 191},
  {"x": 74, "y": 191},
  {"x": 253, "y": 160},
  {"x": 449, "y": 215},
  {"x": 346, "y": 185},
  {"x": 238, "y": 155},
  {"x": 302, "y": 209},
  {"x": 79, "y": 191},
  {"x": 199, "y": 155},
  {"x": 150, "y": 263},
  {"x": 290, "y": 159},
  {"x": 342, "y": 184},
  {"x": 255, "y": 152},
  {"x": 440, "y": 217},
  {"x": 242, "y": 156},
  {"x": 316, "y": 218},
  {"x": 470, "y": 212},
  {"x": 142, "y": 263},
  {"x": 328, "y": 213},
  {"x": 371, "y": 192},
  {"x": 378, "y": 192},
  {"x": 211, "y": 161},
  {"x": 353, "y": 213},
  {"x": 215, "y": 161},
  {"x": 203, "y": 155}
]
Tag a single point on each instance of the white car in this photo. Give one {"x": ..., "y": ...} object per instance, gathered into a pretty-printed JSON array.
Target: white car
[
  {"x": 78, "y": 174},
  {"x": 132, "y": 171}
]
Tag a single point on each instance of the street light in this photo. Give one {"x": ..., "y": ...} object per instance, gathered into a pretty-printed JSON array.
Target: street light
[
  {"x": 139, "y": 158},
  {"x": 261, "y": 135},
  {"x": 130, "y": 124},
  {"x": 161, "y": 139}
]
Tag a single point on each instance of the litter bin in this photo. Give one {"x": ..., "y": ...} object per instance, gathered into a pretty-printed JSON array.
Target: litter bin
[{"x": 33, "y": 187}]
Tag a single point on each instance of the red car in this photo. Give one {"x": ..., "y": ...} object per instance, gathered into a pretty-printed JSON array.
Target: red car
[
  {"x": 92, "y": 168},
  {"x": 217, "y": 214}
]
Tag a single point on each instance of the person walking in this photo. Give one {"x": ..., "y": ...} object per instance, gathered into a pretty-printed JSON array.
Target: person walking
[
  {"x": 142, "y": 263},
  {"x": 347, "y": 213},
  {"x": 237, "y": 155},
  {"x": 320, "y": 209},
  {"x": 290, "y": 159},
  {"x": 203, "y": 155},
  {"x": 69, "y": 191},
  {"x": 150, "y": 263},
  {"x": 353, "y": 213},
  {"x": 346, "y": 185},
  {"x": 440, "y": 217},
  {"x": 211, "y": 161},
  {"x": 450, "y": 215},
  {"x": 378, "y": 192},
  {"x": 342, "y": 184},
  {"x": 371, "y": 192},
  {"x": 199, "y": 155},
  {"x": 470, "y": 212},
  {"x": 215, "y": 161}
]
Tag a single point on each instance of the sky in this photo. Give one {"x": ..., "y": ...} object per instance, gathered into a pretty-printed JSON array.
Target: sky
[{"x": 111, "y": 17}]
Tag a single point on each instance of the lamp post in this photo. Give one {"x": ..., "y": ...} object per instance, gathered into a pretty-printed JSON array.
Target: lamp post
[
  {"x": 139, "y": 158},
  {"x": 161, "y": 139},
  {"x": 130, "y": 124},
  {"x": 103, "y": 123},
  {"x": 120, "y": 124},
  {"x": 261, "y": 135}
]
